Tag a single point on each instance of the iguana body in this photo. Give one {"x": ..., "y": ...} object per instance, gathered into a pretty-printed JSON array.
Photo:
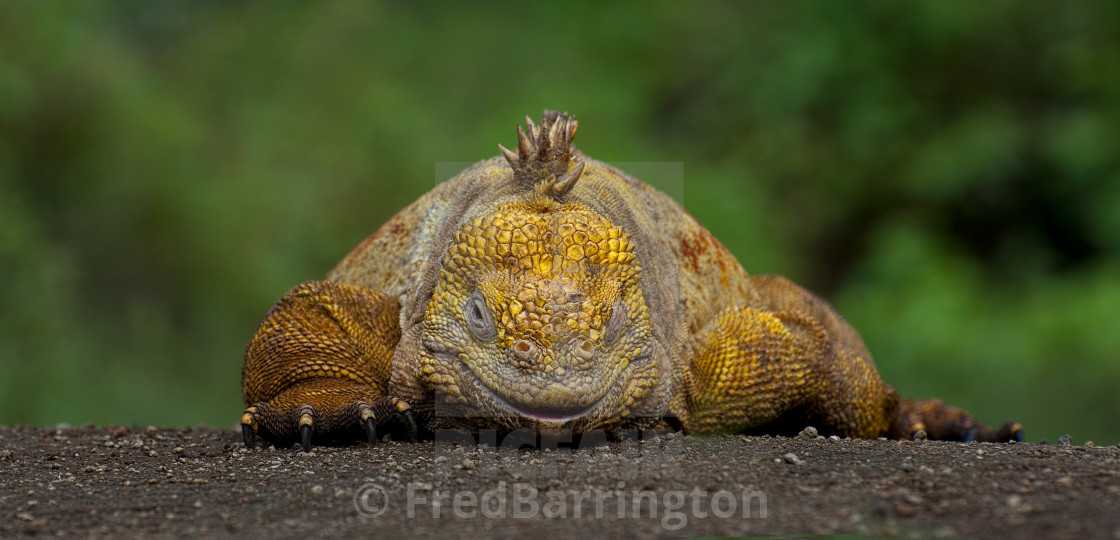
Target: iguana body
[{"x": 547, "y": 290}]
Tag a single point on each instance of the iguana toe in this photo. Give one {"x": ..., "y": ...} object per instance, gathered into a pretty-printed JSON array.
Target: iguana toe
[
  {"x": 306, "y": 422},
  {"x": 409, "y": 419},
  {"x": 969, "y": 434},
  {"x": 248, "y": 436},
  {"x": 305, "y": 438},
  {"x": 369, "y": 421},
  {"x": 406, "y": 416},
  {"x": 249, "y": 427},
  {"x": 371, "y": 430},
  {"x": 1011, "y": 431}
]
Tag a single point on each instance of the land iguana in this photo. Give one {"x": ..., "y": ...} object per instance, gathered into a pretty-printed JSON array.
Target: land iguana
[{"x": 545, "y": 290}]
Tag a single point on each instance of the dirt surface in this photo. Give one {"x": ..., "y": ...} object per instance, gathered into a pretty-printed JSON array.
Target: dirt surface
[{"x": 117, "y": 481}]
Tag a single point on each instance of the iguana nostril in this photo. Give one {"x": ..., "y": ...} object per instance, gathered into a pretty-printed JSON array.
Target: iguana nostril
[
  {"x": 524, "y": 350},
  {"x": 585, "y": 350}
]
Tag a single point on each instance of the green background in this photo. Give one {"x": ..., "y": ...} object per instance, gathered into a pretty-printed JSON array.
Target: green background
[{"x": 945, "y": 173}]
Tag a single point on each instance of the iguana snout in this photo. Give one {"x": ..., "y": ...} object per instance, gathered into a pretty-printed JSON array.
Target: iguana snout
[{"x": 528, "y": 317}]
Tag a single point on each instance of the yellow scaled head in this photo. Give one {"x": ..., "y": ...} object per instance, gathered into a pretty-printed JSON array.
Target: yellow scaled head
[{"x": 538, "y": 319}]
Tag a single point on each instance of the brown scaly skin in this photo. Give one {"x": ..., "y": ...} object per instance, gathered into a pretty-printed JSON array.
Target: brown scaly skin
[{"x": 547, "y": 290}]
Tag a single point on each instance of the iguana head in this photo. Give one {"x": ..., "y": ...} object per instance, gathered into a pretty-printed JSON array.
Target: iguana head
[{"x": 538, "y": 319}]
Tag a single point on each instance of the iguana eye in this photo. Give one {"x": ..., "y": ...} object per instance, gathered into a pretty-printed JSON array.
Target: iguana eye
[
  {"x": 613, "y": 329},
  {"x": 478, "y": 316}
]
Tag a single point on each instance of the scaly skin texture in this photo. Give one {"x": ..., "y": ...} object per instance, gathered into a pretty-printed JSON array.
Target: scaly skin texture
[{"x": 549, "y": 291}]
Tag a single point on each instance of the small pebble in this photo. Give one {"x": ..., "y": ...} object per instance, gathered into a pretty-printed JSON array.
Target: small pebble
[
  {"x": 808, "y": 433},
  {"x": 904, "y": 510},
  {"x": 316, "y": 490},
  {"x": 792, "y": 459},
  {"x": 945, "y": 531},
  {"x": 920, "y": 435},
  {"x": 1065, "y": 440},
  {"x": 468, "y": 464}
]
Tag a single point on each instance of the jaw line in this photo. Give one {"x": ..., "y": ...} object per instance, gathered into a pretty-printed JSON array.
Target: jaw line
[
  {"x": 554, "y": 420},
  {"x": 518, "y": 412},
  {"x": 544, "y": 417}
]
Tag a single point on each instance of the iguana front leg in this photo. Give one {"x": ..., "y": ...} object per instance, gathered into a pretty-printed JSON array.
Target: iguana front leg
[
  {"x": 318, "y": 366},
  {"x": 791, "y": 361}
]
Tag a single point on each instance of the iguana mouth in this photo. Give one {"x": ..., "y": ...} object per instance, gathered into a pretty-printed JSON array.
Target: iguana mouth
[
  {"x": 548, "y": 414},
  {"x": 555, "y": 415}
]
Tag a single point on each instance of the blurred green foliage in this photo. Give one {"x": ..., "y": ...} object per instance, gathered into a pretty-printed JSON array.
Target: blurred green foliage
[{"x": 946, "y": 173}]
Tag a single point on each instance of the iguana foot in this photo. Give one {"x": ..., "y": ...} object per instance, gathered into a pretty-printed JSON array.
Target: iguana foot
[
  {"x": 326, "y": 409},
  {"x": 942, "y": 422}
]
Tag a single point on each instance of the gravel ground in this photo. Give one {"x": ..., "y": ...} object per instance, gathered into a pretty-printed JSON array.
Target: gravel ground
[{"x": 165, "y": 482}]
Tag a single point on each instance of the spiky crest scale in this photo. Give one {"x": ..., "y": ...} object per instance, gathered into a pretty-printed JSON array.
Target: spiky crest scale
[{"x": 544, "y": 154}]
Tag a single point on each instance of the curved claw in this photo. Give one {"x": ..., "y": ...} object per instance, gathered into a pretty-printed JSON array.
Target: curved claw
[
  {"x": 248, "y": 435},
  {"x": 969, "y": 435},
  {"x": 371, "y": 430},
  {"x": 305, "y": 437},
  {"x": 1011, "y": 431},
  {"x": 410, "y": 424},
  {"x": 306, "y": 420},
  {"x": 248, "y": 427}
]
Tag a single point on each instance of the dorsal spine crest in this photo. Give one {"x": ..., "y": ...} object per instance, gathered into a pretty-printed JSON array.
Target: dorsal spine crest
[{"x": 544, "y": 155}]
